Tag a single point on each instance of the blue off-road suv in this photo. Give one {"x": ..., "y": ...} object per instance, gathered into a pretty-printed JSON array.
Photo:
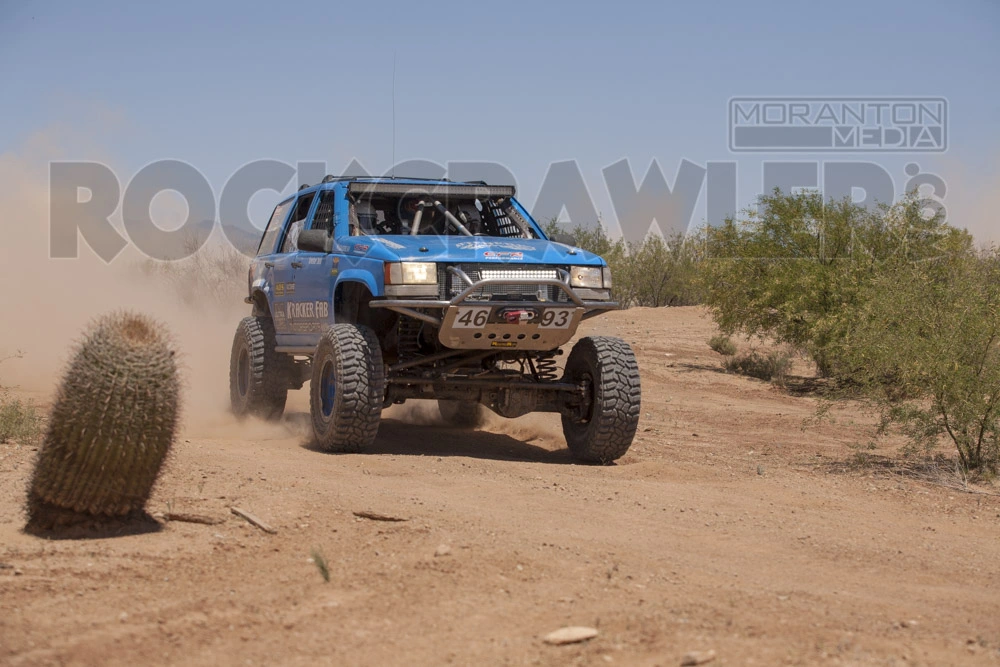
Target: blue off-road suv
[{"x": 380, "y": 290}]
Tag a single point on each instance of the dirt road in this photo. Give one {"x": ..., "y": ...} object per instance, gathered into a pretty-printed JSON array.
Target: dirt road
[{"x": 731, "y": 526}]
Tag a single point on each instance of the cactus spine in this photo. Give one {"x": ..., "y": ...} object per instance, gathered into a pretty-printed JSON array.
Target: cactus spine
[{"x": 111, "y": 426}]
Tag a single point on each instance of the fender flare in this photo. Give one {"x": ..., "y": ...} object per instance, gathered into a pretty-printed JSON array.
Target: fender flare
[
  {"x": 261, "y": 301},
  {"x": 358, "y": 276}
]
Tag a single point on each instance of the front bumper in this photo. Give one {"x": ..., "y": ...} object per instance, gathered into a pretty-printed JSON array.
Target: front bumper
[{"x": 502, "y": 325}]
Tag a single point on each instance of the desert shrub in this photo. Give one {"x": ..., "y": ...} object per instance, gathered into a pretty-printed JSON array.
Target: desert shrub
[
  {"x": 215, "y": 276},
  {"x": 663, "y": 272},
  {"x": 656, "y": 272},
  {"x": 722, "y": 344},
  {"x": 19, "y": 420},
  {"x": 792, "y": 270},
  {"x": 923, "y": 347},
  {"x": 770, "y": 366}
]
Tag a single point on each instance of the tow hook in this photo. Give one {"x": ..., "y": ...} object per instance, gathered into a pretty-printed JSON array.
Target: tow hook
[{"x": 518, "y": 316}]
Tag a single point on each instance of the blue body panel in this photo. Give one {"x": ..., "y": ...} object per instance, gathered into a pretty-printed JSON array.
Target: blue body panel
[{"x": 300, "y": 286}]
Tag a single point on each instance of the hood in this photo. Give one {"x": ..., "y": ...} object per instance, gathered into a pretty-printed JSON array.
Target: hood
[{"x": 467, "y": 249}]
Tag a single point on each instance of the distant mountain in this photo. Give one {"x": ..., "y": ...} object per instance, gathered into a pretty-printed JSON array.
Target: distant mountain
[{"x": 246, "y": 241}]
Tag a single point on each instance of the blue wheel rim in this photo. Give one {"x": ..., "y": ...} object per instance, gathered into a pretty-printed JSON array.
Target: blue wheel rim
[{"x": 327, "y": 389}]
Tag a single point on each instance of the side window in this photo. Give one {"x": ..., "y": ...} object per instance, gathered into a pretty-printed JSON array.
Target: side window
[
  {"x": 295, "y": 224},
  {"x": 274, "y": 228},
  {"x": 324, "y": 212}
]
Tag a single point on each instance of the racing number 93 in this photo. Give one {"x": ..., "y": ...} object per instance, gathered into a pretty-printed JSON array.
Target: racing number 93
[{"x": 556, "y": 318}]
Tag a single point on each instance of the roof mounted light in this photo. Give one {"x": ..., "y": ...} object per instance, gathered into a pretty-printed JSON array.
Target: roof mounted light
[{"x": 436, "y": 190}]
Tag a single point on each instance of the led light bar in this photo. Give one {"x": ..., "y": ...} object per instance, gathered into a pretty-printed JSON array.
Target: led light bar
[
  {"x": 519, "y": 274},
  {"x": 442, "y": 191}
]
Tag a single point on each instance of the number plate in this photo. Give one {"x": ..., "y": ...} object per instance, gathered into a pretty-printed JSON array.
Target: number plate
[
  {"x": 556, "y": 318},
  {"x": 472, "y": 317}
]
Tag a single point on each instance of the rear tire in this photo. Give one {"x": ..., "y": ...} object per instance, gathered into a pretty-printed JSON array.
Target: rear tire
[
  {"x": 347, "y": 388},
  {"x": 258, "y": 376},
  {"x": 608, "y": 368},
  {"x": 463, "y": 414}
]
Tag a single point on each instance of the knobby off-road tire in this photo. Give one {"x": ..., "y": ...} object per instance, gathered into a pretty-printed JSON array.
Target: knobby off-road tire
[
  {"x": 258, "y": 376},
  {"x": 463, "y": 414},
  {"x": 347, "y": 388},
  {"x": 609, "y": 369}
]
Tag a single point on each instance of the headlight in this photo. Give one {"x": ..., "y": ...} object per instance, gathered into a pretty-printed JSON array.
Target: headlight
[
  {"x": 607, "y": 277},
  {"x": 411, "y": 273},
  {"x": 586, "y": 276}
]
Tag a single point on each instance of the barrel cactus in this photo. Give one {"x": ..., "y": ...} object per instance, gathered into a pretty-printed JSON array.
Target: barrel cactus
[{"x": 111, "y": 426}]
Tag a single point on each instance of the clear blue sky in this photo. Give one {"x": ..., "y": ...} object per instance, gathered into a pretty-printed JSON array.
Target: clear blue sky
[{"x": 219, "y": 84}]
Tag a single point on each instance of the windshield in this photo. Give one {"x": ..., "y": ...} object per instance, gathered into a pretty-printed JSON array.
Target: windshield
[{"x": 421, "y": 215}]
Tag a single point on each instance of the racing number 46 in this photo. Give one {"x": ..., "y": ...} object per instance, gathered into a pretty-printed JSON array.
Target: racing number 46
[{"x": 473, "y": 317}]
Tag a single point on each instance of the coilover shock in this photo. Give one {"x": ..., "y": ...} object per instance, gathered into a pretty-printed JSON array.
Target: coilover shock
[{"x": 545, "y": 366}]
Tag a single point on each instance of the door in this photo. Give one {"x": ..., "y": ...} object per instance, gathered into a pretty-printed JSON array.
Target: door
[
  {"x": 270, "y": 266},
  {"x": 291, "y": 316}
]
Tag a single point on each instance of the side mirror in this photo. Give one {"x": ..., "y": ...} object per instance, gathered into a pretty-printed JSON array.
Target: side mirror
[
  {"x": 315, "y": 240},
  {"x": 567, "y": 239}
]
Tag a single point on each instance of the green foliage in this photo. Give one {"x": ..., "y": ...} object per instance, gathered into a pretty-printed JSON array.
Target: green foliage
[
  {"x": 897, "y": 308},
  {"x": 111, "y": 425},
  {"x": 772, "y": 366},
  {"x": 792, "y": 270},
  {"x": 722, "y": 344},
  {"x": 924, "y": 347},
  {"x": 653, "y": 273}
]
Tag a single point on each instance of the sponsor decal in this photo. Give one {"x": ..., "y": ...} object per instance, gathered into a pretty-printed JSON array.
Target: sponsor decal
[
  {"x": 308, "y": 310},
  {"x": 334, "y": 272},
  {"x": 490, "y": 254},
  {"x": 361, "y": 247},
  {"x": 486, "y": 245},
  {"x": 503, "y": 343},
  {"x": 289, "y": 289},
  {"x": 315, "y": 260},
  {"x": 279, "y": 312},
  {"x": 279, "y": 289},
  {"x": 389, "y": 244}
]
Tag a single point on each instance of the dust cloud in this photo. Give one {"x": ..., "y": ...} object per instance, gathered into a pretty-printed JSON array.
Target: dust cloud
[
  {"x": 536, "y": 426},
  {"x": 47, "y": 303},
  {"x": 416, "y": 412}
]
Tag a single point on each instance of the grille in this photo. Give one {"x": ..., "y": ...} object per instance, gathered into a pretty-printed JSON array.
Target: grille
[{"x": 523, "y": 290}]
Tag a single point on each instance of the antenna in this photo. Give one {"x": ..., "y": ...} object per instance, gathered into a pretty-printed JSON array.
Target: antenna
[{"x": 392, "y": 167}]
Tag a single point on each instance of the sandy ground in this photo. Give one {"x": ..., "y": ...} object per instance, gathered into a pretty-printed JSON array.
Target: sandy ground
[{"x": 733, "y": 525}]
